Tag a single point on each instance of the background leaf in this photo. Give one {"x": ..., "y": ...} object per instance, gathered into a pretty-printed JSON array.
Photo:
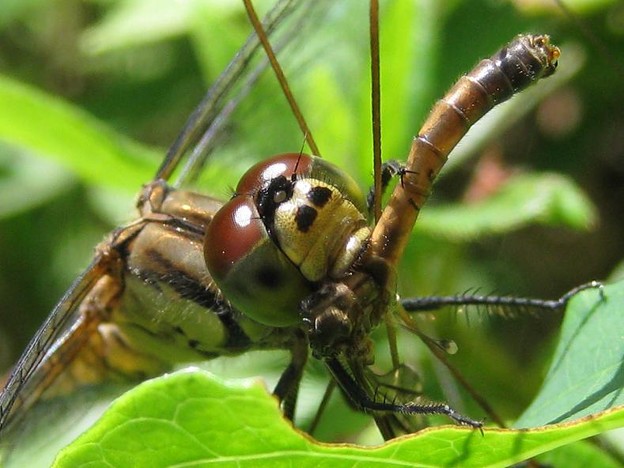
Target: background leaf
[
  {"x": 125, "y": 84},
  {"x": 48, "y": 126},
  {"x": 531, "y": 198},
  {"x": 206, "y": 421},
  {"x": 586, "y": 372}
]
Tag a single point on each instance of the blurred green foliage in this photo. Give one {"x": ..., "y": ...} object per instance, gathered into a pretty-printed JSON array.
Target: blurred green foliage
[{"x": 93, "y": 92}]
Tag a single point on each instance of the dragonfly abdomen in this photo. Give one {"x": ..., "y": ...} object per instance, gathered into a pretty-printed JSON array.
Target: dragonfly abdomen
[{"x": 520, "y": 63}]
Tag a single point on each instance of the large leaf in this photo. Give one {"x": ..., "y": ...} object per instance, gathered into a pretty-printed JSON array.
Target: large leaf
[
  {"x": 192, "y": 418},
  {"x": 48, "y": 126},
  {"x": 207, "y": 420},
  {"x": 586, "y": 375},
  {"x": 41, "y": 179}
]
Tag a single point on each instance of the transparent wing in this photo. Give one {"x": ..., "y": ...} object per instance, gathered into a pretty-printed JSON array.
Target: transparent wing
[
  {"x": 62, "y": 318},
  {"x": 212, "y": 121},
  {"x": 243, "y": 119},
  {"x": 59, "y": 339}
]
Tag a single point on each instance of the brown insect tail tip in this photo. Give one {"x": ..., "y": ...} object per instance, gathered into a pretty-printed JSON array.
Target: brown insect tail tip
[{"x": 551, "y": 52}]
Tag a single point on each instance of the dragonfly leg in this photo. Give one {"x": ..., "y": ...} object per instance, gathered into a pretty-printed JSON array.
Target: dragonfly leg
[
  {"x": 422, "y": 304},
  {"x": 287, "y": 388},
  {"x": 363, "y": 401}
]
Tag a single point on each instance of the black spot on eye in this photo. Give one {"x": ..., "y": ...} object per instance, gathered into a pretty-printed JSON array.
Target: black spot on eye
[
  {"x": 269, "y": 278},
  {"x": 318, "y": 196},
  {"x": 305, "y": 217},
  {"x": 193, "y": 344}
]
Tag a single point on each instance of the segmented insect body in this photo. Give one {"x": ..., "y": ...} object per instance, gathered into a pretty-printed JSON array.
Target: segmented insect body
[{"x": 296, "y": 226}]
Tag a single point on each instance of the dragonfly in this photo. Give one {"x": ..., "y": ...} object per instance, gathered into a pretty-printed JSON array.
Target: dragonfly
[{"x": 181, "y": 218}]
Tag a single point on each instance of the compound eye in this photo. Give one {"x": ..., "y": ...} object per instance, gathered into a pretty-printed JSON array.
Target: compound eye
[
  {"x": 260, "y": 176},
  {"x": 231, "y": 236},
  {"x": 262, "y": 173},
  {"x": 252, "y": 273}
]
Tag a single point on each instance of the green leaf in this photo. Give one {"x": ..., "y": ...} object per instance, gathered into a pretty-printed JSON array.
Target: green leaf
[
  {"x": 582, "y": 453},
  {"x": 586, "y": 373},
  {"x": 12, "y": 9},
  {"x": 190, "y": 417},
  {"x": 542, "y": 198},
  {"x": 41, "y": 179},
  {"x": 128, "y": 24},
  {"x": 46, "y": 125}
]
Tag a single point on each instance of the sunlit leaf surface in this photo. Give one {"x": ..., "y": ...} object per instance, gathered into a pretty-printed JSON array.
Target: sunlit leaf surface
[{"x": 191, "y": 417}]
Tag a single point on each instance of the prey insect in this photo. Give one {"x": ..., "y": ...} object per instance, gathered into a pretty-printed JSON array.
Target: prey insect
[{"x": 329, "y": 299}]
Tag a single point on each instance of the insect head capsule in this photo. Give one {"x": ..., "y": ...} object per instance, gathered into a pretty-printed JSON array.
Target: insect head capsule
[{"x": 294, "y": 221}]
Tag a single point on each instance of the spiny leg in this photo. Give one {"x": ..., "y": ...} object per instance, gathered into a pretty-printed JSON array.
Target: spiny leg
[
  {"x": 430, "y": 303},
  {"x": 401, "y": 384},
  {"x": 363, "y": 401}
]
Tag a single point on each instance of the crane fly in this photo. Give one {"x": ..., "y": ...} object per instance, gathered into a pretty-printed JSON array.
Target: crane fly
[{"x": 102, "y": 321}]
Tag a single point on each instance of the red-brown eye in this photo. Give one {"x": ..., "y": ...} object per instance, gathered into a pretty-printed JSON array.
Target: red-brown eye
[
  {"x": 305, "y": 166},
  {"x": 236, "y": 228},
  {"x": 252, "y": 273},
  {"x": 262, "y": 173}
]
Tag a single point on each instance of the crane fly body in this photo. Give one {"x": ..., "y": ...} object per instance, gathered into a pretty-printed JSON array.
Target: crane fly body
[{"x": 327, "y": 296}]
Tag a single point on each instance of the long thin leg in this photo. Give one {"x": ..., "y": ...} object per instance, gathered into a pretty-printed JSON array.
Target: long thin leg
[
  {"x": 329, "y": 390},
  {"x": 421, "y": 304},
  {"x": 364, "y": 402}
]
